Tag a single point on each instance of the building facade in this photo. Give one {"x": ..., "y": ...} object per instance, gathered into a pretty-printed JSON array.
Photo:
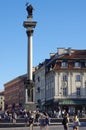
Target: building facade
[
  {"x": 63, "y": 81},
  {"x": 1, "y": 101},
  {"x": 40, "y": 86},
  {"x": 16, "y": 95},
  {"x": 14, "y": 92}
]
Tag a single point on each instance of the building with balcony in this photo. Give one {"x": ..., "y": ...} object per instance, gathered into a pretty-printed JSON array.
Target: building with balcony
[{"x": 61, "y": 81}]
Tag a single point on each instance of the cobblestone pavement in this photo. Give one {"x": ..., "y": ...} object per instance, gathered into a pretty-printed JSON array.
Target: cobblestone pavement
[{"x": 58, "y": 127}]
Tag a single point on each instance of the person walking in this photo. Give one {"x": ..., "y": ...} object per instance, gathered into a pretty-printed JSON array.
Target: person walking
[
  {"x": 42, "y": 122},
  {"x": 31, "y": 121},
  {"x": 76, "y": 122},
  {"x": 14, "y": 117},
  {"x": 37, "y": 118},
  {"x": 65, "y": 120},
  {"x": 47, "y": 122},
  {"x": 26, "y": 118}
]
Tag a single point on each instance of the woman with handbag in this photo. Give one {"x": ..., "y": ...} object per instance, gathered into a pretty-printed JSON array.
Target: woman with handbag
[{"x": 76, "y": 122}]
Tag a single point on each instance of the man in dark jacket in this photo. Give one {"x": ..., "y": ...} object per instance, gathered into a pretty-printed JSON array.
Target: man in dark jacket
[
  {"x": 31, "y": 120},
  {"x": 65, "y": 121}
]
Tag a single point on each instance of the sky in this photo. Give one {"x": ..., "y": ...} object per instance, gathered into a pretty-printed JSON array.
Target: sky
[{"x": 60, "y": 23}]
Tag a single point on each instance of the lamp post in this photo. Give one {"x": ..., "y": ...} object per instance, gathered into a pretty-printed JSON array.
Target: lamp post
[{"x": 29, "y": 25}]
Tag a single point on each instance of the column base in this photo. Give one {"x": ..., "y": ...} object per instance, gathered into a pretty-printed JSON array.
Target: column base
[{"x": 30, "y": 106}]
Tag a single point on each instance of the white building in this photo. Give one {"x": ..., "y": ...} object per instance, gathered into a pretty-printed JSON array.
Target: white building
[
  {"x": 40, "y": 86},
  {"x": 61, "y": 81}
]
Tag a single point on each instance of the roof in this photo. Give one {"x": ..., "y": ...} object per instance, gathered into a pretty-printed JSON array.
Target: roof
[
  {"x": 2, "y": 93},
  {"x": 77, "y": 54}
]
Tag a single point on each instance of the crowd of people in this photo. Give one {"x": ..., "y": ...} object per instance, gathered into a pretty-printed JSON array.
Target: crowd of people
[
  {"x": 29, "y": 117},
  {"x": 41, "y": 119}
]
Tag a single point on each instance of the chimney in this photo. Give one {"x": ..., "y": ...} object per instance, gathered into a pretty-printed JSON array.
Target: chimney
[
  {"x": 52, "y": 54},
  {"x": 69, "y": 51},
  {"x": 60, "y": 51}
]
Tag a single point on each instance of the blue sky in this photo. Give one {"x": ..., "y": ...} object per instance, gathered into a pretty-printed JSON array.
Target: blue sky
[{"x": 60, "y": 23}]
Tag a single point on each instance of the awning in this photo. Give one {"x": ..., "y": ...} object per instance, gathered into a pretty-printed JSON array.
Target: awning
[{"x": 72, "y": 102}]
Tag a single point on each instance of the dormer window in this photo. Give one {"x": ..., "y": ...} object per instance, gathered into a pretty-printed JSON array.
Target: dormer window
[
  {"x": 77, "y": 64},
  {"x": 64, "y": 64}
]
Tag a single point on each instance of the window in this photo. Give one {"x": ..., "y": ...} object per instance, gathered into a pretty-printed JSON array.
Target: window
[
  {"x": 85, "y": 64},
  {"x": 77, "y": 64},
  {"x": 78, "y": 91},
  {"x": 39, "y": 101},
  {"x": 78, "y": 77},
  {"x": 64, "y": 64},
  {"x": 85, "y": 83},
  {"x": 64, "y": 77},
  {"x": 38, "y": 79},
  {"x": 38, "y": 89},
  {"x": 85, "y": 87},
  {"x": 51, "y": 67},
  {"x": 64, "y": 91}
]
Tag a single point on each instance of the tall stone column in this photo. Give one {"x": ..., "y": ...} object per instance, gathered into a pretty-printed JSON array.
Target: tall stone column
[{"x": 29, "y": 25}]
